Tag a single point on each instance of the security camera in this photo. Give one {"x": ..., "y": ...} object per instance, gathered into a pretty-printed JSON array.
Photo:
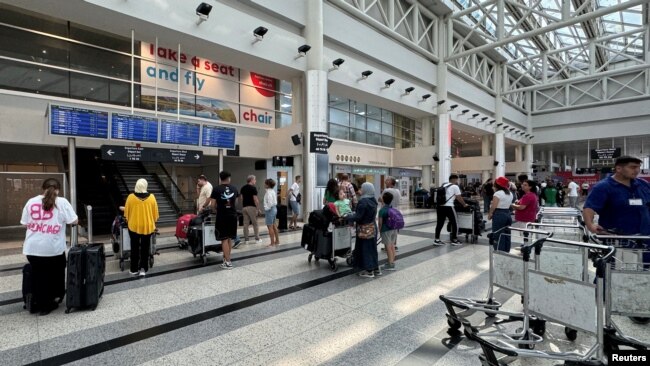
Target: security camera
[
  {"x": 336, "y": 63},
  {"x": 441, "y": 102},
  {"x": 492, "y": 121},
  {"x": 409, "y": 90},
  {"x": 475, "y": 115},
  {"x": 426, "y": 96},
  {"x": 452, "y": 107},
  {"x": 203, "y": 12},
  {"x": 388, "y": 83},
  {"x": 365, "y": 74},
  {"x": 259, "y": 32},
  {"x": 302, "y": 50},
  {"x": 464, "y": 111},
  {"x": 484, "y": 119}
]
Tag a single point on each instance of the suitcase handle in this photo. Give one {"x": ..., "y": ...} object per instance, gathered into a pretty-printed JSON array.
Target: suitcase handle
[{"x": 89, "y": 216}]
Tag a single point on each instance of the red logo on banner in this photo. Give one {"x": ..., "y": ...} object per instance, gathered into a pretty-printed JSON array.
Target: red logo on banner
[{"x": 264, "y": 85}]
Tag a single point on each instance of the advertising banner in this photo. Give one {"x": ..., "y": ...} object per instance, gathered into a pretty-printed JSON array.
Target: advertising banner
[{"x": 217, "y": 86}]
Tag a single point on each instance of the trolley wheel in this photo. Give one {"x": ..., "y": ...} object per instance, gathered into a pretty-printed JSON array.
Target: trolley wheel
[
  {"x": 194, "y": 254},
  {"x": 67, "y": 311},
  {"x": 348, "y": 260},
  {"x": 205, "y": 260},
  {"x": 309, "y": 258},
  {"x": 122, "y": 265},
  {"x": 491, "y": 315},
  {"x": 453, "y": 323},
  {"x": 474, "y": 239},
  {"x": 466, "y": 333},
  {"x": 150, "y": 261},
  {"x": 571, "y": 334},
  {"x": 333, "y": 265},
  {"x": 316, "y": 259},
  {"x": 640, "y": 320},
  {"x": 526, "y": 337}
]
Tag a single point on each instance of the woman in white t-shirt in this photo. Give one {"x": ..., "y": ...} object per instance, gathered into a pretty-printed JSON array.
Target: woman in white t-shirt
[
  {"x": 45, "y": 217},
  {"x": 500, "y": 214}
]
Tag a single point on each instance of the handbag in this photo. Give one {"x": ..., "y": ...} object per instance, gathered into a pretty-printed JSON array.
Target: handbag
[
  {"x": 299, "y": 197},
  {"x": 366, "y": 231}
]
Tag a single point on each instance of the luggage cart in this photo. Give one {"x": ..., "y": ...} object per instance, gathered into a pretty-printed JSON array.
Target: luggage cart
[
  {"x": 123, "y": 242},
  {"x": 332, "y": 245},
  {"x": 206, "y": 239},
  {"x": 562, "y": 300},
  {"x": 560, "y": 216},
  {"x": 627, "y": 288},
  {"x": 507, "y": 271}
]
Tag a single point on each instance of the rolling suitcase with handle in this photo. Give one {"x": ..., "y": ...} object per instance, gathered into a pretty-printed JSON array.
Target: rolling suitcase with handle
[{"x": 86, "y": 268}]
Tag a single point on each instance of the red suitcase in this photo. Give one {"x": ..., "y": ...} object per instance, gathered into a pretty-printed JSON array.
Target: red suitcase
[{"x": 182, "y": 227}]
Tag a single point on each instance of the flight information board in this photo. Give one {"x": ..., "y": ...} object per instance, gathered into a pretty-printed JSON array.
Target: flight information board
[
  {"x": 72, "y": 121},
  {"x": 217, "y": 136},
  {"x": 134, "y": 128},
  {"x": 177, "y": 132}
]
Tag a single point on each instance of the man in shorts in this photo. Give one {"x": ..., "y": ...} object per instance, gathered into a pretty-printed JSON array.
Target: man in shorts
[
  {"x": 390, "y": 183},
  {"x": 294, "y": 201},
  {"x": 223, "y": 200}
]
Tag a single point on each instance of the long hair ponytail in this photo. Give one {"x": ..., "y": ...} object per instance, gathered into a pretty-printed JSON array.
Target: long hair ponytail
[{"x": 50, "y": 186}]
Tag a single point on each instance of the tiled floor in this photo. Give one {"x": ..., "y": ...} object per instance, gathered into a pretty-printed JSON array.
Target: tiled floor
[{"x": 273, "y": 308}]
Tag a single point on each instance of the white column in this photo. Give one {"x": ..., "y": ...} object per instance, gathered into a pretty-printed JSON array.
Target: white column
[
  {"x": 575, "y": 164},
  {"x": 485, "y": 151},
  {"x": 499, "y": 137},
  {"x": 529, "y": 130},
  {"x": 550, "y": 160},
  {"x": 519, "y": 153},
  {"x": 565, "y": 162},
  {"x": 72, "y": 177},
  {"x": 315, "y": 101},
  {"x": 427, "y": 125},
  {"x": 443, "y": 132},
  {"x": 221, "y": 168}
]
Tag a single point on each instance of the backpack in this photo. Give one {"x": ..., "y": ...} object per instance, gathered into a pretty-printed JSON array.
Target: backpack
[
  {"x": 441, "y": 195},
  {"x": 395, "y": 220}
]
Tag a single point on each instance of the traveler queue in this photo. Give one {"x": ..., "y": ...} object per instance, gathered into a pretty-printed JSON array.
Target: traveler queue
[{"x": 621, "y": 200}]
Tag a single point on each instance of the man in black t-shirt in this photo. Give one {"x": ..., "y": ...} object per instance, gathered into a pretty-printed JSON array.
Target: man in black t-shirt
[
  {"x": 223, "y": 200},
  {"x": 250, "y": 207}
]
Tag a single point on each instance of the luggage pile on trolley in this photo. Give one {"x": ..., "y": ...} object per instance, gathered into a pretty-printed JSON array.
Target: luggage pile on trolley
[
  {"x": 201, "y": 237},
  {"x": 553, "y": 276},
  {"x": 327, "y": 236},
  {"x": 121, "y": 242},
  {"x": 470, "y": 220}
]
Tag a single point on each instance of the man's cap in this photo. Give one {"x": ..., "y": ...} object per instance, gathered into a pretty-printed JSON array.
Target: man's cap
[{"x": 625, "y": 159}]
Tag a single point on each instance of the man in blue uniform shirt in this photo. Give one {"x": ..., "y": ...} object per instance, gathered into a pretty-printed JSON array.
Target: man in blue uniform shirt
[{"x": 621, "y": 200}]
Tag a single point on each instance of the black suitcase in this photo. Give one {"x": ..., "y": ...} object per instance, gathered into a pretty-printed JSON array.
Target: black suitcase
[
  {"x": 308, "y": 238},
  {"x": 28, "y": 299},
  {"x": 323, "y": 243},
  {"x": 86, "y": 268},
  {"x": 318, "y": 220},
  {"x": 282, "y": 218}
]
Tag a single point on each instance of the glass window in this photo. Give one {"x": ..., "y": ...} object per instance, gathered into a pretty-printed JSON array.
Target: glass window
[
  {"x": 387, "y": 141},
  {"x": 358, "y": 108},
  {"x": 339, "y": 103},
  {"x": 339, "y": 117},
  {"x": 339, "y": 132},
  {"x": 374, "y": 112},
  {"x": 282, "y": 119},
  {"x": 387, "y": 129},
  {"x": 359, "y": 121},
  {"x": 374, "y": 138},
  {"x": 100, "y": 62},
  {"x": 33, "y": 79},
  {"x": 358, "y": 135},
  {"x": 26, "y": 19},
  {"x": 386, "y": 116},
  {"x": 374, "y": 125},
  {"x": 33, "y": 47},
  {"x": 100, "y": 38}
]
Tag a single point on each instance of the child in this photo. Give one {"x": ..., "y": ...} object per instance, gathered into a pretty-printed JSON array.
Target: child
[
  {"x": 342, "y": 204},
  {"x": 388, "y": 236}
]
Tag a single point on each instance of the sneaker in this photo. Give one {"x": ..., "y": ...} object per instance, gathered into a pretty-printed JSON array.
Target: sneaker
[
  {"x": 134, "y": 273},
  {"x": 237, "y": 244},
  {"x": 142, "y": 272},
  {"x": 438, "y": 243},
  {"x": 226, "y": 265},
  {"x": 377, "y": 273},
  {"x": 456, "y": 243},
  {"x": 388, "y": 267},
  {"x": 366, "y": 274}
]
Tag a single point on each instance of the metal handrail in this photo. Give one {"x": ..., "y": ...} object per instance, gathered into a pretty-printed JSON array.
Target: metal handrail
[{"x": 172, "y": 180}]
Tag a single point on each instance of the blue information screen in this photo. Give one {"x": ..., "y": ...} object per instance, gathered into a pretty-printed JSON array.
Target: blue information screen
[
  {"x": 71, "y": 121},
  {"x": 177, "y": 132},
  {"x": 134, "y": 128},
  {"x": 217, "y": 136}
]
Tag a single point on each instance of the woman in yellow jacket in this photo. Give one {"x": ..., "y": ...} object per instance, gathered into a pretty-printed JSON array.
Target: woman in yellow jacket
[{"x": 141, "y": 214}]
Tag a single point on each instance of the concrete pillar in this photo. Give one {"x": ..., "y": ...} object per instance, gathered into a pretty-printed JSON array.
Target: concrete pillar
[
  {"x": 315, "y": 101},
  {"x": 221, "y": 167},
  {"x": 519, "y": 153},
  {"x": 297, "y": 101},
  {"x": 550, "y": 160},
  {"x": 443, "y": 132},
  {"x": 485, "y": 151},
  {"x": 565, "y": 162},
  {"x": 427, "y": 126},
  {"x": 529, "y": 130},
  {"x": 499, "y": 137}
]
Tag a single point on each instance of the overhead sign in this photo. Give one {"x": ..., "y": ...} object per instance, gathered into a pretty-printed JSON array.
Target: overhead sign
[
  {"x": 179, "y": 133},
  {"x": 319, "y": 142},
  {"x": 81, "y": 122},
  {"x": 609, "y": 153},
  {"x": 217, "y": 136},
  {"x": 147, "y": 154},
  {"x": 134, "y": 128}
]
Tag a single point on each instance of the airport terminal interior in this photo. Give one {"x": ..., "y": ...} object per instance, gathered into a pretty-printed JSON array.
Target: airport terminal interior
[{"x": 394, "y": 95}]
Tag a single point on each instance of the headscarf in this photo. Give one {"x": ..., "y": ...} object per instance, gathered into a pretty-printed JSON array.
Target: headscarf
[
  {"x": 141, "y": 186},
  {"x": 367, "y": 190}
]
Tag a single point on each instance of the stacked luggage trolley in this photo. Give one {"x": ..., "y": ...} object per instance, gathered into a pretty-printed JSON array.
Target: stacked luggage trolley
[
  {"x": 567, "y": 299},
  {"x": 470, "y": 220},
  {"x": 327, "y": 237}
]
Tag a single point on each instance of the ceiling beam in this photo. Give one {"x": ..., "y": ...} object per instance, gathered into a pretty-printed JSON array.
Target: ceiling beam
[{"x": 574, "y": 20}]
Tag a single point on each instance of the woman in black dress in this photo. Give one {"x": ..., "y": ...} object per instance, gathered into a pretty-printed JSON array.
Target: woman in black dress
[{"x": 365, "y": 249}]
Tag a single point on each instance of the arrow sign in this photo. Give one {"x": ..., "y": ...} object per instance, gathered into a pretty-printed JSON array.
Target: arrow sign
[{"x": 148, "y": 154}]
